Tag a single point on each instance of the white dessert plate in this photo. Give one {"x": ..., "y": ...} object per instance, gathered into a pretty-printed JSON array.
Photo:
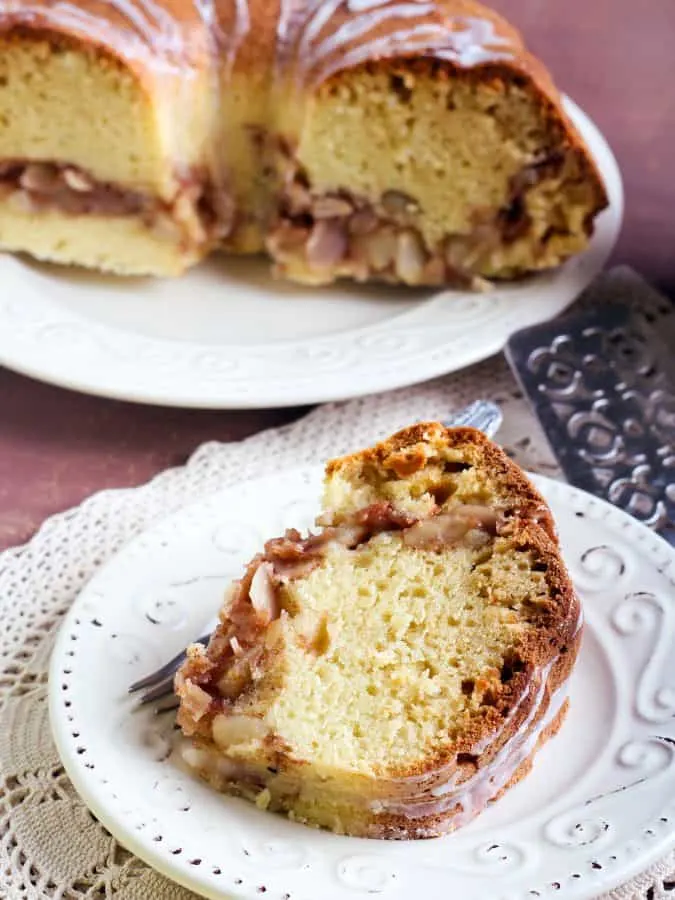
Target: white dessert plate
[
  {"x": 227, "y": 335},
  {"x": 598, "y": 807}
]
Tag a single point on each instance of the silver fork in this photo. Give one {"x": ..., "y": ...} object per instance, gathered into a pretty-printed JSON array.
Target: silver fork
[{"x": 482, "y": 414}]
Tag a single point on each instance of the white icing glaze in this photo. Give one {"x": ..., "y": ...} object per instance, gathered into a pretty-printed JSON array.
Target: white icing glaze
[
  {"x": 358, "y": 27},
  {"x": 324, "y": 12},
  {"x": 472, "y": 42},
  {"x": 405, "y": 42},
  {"x": 464, "y": 40},
  {"x": 356, "y": 6},
  {"x": 149, "y": 33},
  {"x": 475, "y": 792}
]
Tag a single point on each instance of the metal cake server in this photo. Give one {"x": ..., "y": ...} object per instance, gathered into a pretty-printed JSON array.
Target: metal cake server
[{"x": 602, "y": 384}]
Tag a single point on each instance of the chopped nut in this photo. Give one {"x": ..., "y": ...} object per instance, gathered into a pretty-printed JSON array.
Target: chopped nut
[
  {"x": 363, "y": 221},
  {"x": 410, "y": 257},
  {"x": 380, "y": 248},
  {"x": 297, "y": 198},
  {"x": 436, "y": 533},
  {"x": 20, "y": 201},
  {"x": 235, "y": 679},
  {"x": 478, "y": 516},
  {"x": 450, "y": 528},
  {"x": 195, "y": 701},
  {"x": 287, "y": 240},
  {"x": 195, "y": 758},
  {"x": 230, "y": 596},
  {"x": 396, "y": 203},
  {"x": 40, "y": 178},
  {"x": 329, "y": 207},
  {"x": 229, "y": 731},
  {"x": 327, "y": 244},
  {"x": 263, "y": 594},
  {"x": 264, "y": 798},
  {"x": 78, "y": 181},
  {"x": 223, "y": 206}
]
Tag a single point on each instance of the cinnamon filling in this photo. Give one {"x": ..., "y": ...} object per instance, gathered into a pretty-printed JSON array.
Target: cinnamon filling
[{"x": 198, "y": 214}]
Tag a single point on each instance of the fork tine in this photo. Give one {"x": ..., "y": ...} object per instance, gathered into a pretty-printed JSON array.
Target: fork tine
[
  {"x": 482, "y": 414},
  {"x": 162, "y": 689},
  {"x": 169, "y": 705},
  {"x": 166, "y": 673}
]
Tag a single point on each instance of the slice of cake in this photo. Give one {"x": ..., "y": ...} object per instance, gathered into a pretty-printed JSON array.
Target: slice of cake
[{"x": 391, "y": 674}]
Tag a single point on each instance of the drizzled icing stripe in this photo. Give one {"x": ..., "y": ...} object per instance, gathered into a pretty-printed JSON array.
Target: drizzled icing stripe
[
  {"x": 66, "y": 18},
  {"x": 464, "y": 40},
  {"x": 152, "y": 10},
  {"x": 364, "y": 5},
  {"x": 404, "y": 42},
  {"x": 474, "y": 42},
  {"x": 322, "y": 17},
  {"x": 232, "y": 42},
  {"x": 356, "y": 28},
  {"x": 148, "y": 31},
  {"x": 156, "y": 35}
]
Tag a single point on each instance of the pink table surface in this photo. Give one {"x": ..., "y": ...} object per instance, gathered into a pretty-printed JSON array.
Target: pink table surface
[{"x": 614, "y": 57}]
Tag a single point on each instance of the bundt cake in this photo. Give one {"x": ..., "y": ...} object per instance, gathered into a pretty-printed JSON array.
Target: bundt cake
[
  {"x": 412, "y": 141},
  {"x": 391, "y": 674}
]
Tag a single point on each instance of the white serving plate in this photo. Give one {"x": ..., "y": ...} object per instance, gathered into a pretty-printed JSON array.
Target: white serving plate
[
  {"x": 598, "y": 807},
  {"x": 228, "y": 336}
]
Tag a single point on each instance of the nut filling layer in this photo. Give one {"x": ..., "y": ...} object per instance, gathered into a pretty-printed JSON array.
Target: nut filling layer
[{"x": 196, "y": 216}]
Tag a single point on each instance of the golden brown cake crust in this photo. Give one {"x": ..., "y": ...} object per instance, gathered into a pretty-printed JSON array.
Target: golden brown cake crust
[
  {"x": 173, "y": 35},
  {"x": 408, "y": 450}
]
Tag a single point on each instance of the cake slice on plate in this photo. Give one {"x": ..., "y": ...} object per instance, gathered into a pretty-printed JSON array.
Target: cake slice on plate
[{"x": 391, "y": 674}]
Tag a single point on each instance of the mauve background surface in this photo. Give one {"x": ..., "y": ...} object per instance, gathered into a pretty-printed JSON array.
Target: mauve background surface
[{"x": 614, "y": 57}]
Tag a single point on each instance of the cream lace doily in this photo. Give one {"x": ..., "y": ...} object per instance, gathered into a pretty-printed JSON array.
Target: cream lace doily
[{"x": 50, "y": 845}]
